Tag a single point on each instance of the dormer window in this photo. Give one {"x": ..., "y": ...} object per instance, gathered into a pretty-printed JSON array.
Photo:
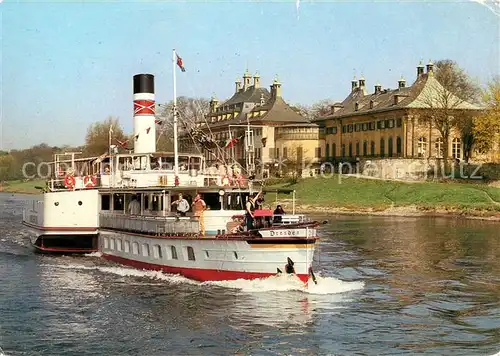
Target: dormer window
[
  {"x": 371, "y": 104},
  {"x": 356, "y": 106}
]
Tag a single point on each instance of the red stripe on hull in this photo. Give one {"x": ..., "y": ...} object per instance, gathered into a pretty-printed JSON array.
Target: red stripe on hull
[{"x": 197, "y": 274}]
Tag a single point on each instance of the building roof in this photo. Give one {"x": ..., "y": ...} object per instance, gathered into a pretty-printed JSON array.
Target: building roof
[
  {"x": 257, "y": 99},
  {"x": 424, "y": 93}
]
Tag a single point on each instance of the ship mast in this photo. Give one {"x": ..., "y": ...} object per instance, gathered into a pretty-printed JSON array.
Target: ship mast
[{"x": 176, "y": 153}]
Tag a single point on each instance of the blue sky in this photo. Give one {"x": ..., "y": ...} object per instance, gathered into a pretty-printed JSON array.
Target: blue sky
[{"x": 66, "y": 64}]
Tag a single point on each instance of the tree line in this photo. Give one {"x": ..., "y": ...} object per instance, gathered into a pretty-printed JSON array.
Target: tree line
[{"x": 477, "y": 132}]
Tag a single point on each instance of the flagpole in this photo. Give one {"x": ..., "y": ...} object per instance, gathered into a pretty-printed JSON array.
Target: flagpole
[{"x": 176, "y": 153}]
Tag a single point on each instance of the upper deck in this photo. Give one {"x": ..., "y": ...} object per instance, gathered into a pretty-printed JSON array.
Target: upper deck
[{"x": 140, "y": 170}]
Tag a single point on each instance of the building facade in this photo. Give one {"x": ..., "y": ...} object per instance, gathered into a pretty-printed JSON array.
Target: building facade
[
  {"x": 392, "y": 123},
  {"x": 256, "y": 128}
]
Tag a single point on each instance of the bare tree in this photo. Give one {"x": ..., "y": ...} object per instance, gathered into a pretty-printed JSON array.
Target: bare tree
[
  {"x": 316, "y": 110},
  {"x": 461, "y": 90},
  {"x": 446, "y": 100},
  {"x": 189, "y": 112}
]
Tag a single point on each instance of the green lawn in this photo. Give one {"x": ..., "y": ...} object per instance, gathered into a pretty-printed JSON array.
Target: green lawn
[
  {"x": 24, "y": 187},
  {"x": 356, "y": 193}
]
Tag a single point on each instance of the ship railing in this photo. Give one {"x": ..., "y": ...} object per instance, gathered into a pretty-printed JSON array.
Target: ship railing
[{"x": 156, "y": 225}]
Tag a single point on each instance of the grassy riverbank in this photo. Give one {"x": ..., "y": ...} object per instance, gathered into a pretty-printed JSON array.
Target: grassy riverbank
[
  {"x": 23, "y": 187},
  {"x": 351, "y": 194}
]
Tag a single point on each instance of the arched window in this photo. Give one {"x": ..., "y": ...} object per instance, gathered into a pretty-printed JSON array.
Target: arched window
[
  {"x": 334, "y": 150},
  {"x": 382, "y": 147},
  {"x": 389, "y": 143},
  {"x": 421, "y": 147},
  {"x": 372, "y": 148},
  {"x": 398, "y": 146},
  {"x": 327, "y": 151},
  {"x": 365, "y": 148},
  {"x": 357, "y": 148},
  {"x": 350, "y": 149},
  {"x": 343, "y": 150},
  {"x": 456, "y": 148},
  {"x": 190, "y": 253},
  {"x": 439, "y": 147}
]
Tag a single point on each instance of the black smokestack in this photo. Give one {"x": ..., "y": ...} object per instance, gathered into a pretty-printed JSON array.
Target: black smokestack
[{"x": 144, "y": 83}]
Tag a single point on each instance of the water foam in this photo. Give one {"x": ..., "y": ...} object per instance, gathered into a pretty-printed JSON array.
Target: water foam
[
  {"x": 93, "y": 254},
  {"x": 286, "y": 282},
  {"x": 278, "y": 283}
]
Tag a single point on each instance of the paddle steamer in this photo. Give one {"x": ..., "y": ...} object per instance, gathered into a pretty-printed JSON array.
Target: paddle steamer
[{"x": 86, "y": 207}]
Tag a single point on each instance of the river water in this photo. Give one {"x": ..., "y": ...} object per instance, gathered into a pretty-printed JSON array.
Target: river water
[{"x": 387, "y": 286}]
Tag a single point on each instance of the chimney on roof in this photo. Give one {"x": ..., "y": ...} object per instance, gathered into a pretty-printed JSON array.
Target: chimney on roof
[
  {"x": 362, "y": 82},
  {"x": 378, "y": 88},
  {"x": 256, "y": 80},
  {"x": 238, "y": 85},
  {"x": 430, "y": 67},
  {"x": 276, "y": 88},
  {"x": 401, "y": 82},
  {"x": 246, "y": 80},
  {"x": 214, "y": 103},
  {"x": 336, "y": 107},
  {"x": 420, "y": 69},
  {"x": 354, "y": 84}
]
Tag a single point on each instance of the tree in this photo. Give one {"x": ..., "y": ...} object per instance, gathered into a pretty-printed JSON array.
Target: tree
[
  {"x": 316, "y": 110},
  {"x": 486, "y": 127},
  {"x": 190, "y": 111},
  {"x": 98, "y": 134},
  {"x": 446, "y": 102},
  {"x": 455, "y": 80}
]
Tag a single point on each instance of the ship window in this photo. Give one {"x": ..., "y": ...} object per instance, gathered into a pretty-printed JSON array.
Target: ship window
[
  {"x": 190, "y": 253},
  {"x": 135, "y": 248},
  {"x": 157, "y": 251},
  {"x": 118, "y": 245},
  {"x": 56, "y": 203},
  {"x": 174, "y": 252},
  {"x": 105, "y": 202},
  {"x": 106, "y": 242},
  {"x": 145, "y": 250},
  {"x": 112, "y": 244},
  {"x": 235, "y": 254},
  {"x": 206, "y": 254},
  {"x": 80, "y": 202},
  {"x": 127, "y": 246}
]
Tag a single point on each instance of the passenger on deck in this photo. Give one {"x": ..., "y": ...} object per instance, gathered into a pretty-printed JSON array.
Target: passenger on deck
[
  {"x": 199, "y": 206},
  {"x": 134, "y": 207},
  {"x": 250, "y": 208},
  {"x": 182, "y": 206},
  {"x": 277, "y": 214}
]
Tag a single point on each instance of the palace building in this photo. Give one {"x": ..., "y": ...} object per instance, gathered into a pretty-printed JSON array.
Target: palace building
[
  {"x": 257, "y": 128},
  {"x": 392, "y": 122}
]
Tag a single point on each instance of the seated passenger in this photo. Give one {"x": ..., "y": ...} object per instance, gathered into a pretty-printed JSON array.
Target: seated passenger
[{"x": 277, "y": 214}]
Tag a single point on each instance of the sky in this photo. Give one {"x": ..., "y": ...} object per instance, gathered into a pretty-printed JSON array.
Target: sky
[{"x": 65, "y": 65}]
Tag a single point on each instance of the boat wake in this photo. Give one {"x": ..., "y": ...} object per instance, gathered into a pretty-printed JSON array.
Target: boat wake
[{"x": 278, "y": 283}]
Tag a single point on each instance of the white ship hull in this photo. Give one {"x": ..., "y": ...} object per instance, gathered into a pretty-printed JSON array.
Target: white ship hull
[{"x": 210, "y": 259}]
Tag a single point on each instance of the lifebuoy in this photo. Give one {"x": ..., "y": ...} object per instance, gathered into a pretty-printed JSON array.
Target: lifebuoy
[
  {"x": 225, "y": 181},
  {"x": 69, "y": 182},
  {"x": 89, "y": 181}
]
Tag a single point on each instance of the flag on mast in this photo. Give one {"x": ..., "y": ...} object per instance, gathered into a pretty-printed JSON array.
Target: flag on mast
[{"x": 179, "y": 63}]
